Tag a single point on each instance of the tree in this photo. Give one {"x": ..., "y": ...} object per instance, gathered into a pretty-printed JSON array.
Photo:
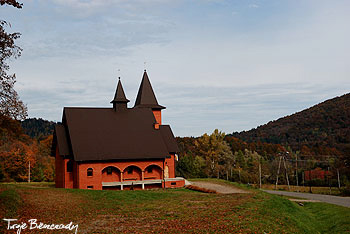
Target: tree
[
  {"x": 216, "y": 152},
  {"x": 10, "y": 103},
  {"x": 11, "y": 2},
  {"x": 15, "y": 158}
]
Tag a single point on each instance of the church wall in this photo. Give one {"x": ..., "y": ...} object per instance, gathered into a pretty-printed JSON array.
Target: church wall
[
  {"x": 170, "y": 162},
  {"x": 158, "y": 115},
  {"x": 96, "y": 179},
  {"x": 59, "y": 170},
  {"x": 68, "y": 176}
]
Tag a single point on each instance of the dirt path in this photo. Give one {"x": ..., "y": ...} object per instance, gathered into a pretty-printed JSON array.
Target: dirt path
[
  {"x": 340, "y": 201},
  {"x": 219, "y": 188}
]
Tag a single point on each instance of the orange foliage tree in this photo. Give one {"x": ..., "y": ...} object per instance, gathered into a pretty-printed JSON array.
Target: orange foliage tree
[{"x": 15, "y": 158}]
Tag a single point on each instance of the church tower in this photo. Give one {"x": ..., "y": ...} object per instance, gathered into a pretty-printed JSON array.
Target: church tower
[
  {"x": 120, "y": 101},
  {"x": 146, "y": 99}
]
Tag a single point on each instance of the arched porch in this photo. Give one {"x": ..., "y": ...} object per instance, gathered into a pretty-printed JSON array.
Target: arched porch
[
  {"x": 153, "y": 172},
  {"x": 111, "y": 174}
]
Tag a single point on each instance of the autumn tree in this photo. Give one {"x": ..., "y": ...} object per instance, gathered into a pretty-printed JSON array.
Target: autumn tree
[
  {"x": 15, "y": 158},
  {"x": 216, "y": 153},
  {"x": 44, "y": 169},
  {"x": 10, "y": 103}
]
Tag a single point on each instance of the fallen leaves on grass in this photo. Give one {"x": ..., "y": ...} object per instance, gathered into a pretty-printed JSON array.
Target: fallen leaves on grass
[{"x": 199, "y": 189}]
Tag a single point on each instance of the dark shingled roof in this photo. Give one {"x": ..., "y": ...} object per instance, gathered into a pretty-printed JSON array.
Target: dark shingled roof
[
  {"x": 60, "y": 140},
  {"x": 169, "y": 138},
  {"x": 119, "y": 94},
  {"x": 105, "y": 134},
  {"x": 145, "y": 96}
]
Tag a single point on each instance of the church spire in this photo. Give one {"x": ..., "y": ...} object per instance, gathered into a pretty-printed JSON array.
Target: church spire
[
  {"x": 120, "y": 101},
  {"x": 145, "y": 96}
]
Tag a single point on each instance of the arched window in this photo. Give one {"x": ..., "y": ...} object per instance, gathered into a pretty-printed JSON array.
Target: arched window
[
  {"x": 90, "y": 172},
  {"x": 70, "y": 166},
  {"x": 109, "y": 170}
]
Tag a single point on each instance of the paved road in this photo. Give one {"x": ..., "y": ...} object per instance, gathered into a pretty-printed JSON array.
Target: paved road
[
  {"x": 219, "y": 188},
  {"x": 340, "y": 201}
]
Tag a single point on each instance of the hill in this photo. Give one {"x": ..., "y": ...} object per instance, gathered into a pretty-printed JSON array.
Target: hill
[
  {"x": 167, "y": 211},
  {"x": 38, "y": 128},
  {"x": 321, "y": 129}
]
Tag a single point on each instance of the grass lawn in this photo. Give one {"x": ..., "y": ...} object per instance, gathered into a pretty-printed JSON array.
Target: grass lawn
[
  {"x": 304, "y": 189},
  {"x": 167, "y": 211}
]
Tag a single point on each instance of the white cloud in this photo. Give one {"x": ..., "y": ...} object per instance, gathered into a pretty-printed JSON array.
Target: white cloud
[{"x": 252, "y": 5}]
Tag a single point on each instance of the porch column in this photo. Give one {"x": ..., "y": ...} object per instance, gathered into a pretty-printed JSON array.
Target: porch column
[{"x": 121, "y": 179}]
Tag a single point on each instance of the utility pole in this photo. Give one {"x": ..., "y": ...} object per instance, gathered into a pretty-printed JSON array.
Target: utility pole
[
  {"x": 338, "y": 178},
  {"x": 285, "y": 167},
  {"x": 278, "y": 172},
  {"x": 29, "y": 173}
]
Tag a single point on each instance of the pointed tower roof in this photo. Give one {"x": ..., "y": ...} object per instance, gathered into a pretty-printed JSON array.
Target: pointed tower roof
[
  {"x": 119, "y": 96},
  {"x": 145, "y": 96}
]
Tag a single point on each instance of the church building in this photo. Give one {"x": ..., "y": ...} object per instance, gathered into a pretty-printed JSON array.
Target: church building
[{"x": 116, "y": 148}]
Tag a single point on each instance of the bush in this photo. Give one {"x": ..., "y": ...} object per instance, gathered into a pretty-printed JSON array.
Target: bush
[{"x": 346, "y": 189}]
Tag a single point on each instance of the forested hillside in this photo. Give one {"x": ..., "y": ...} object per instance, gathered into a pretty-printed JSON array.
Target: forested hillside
[
  {"x": 18, "y": 151},
  {"x": 38, "y": 128},
  {"x": 323, "y": 129}
]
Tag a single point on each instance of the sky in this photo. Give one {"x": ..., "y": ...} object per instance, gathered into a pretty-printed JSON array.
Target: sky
[{"x": 215, "y": 64}]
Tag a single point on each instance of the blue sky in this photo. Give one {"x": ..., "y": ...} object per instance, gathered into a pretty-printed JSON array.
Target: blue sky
[{"x": 231, "y": 65}]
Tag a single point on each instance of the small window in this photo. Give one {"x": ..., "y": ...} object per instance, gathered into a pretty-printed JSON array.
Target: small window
[
  {"x": 89, "y": 172},
  {"x": 90, "y": 187},
  {"x": 109, "y": 171},
  {"x": 149, "y": 170},
  {"x": 129, "y": 170},
  {"x": 70, "y": 166},
  {"x": 173, "y": 183}
]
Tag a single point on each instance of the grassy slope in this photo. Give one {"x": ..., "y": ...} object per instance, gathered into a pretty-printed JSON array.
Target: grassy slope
[{"x": 172, "y": 211}]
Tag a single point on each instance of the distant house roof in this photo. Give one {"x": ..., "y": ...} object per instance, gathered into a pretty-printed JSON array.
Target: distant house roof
[{"x": 145, "y": 96}]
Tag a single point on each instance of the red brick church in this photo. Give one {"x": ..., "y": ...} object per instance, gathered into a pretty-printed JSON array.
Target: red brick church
[{"x": 116, "y": 148}]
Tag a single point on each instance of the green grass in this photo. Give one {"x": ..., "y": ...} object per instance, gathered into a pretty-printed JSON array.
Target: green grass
[
  {"x": 170, "y": 211},
  {"x": 10, "y": 203},
  {"x": 304, "y": 189},
  {"x": 329, "y": 218},
  {"x": 10, "y": 200}
]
